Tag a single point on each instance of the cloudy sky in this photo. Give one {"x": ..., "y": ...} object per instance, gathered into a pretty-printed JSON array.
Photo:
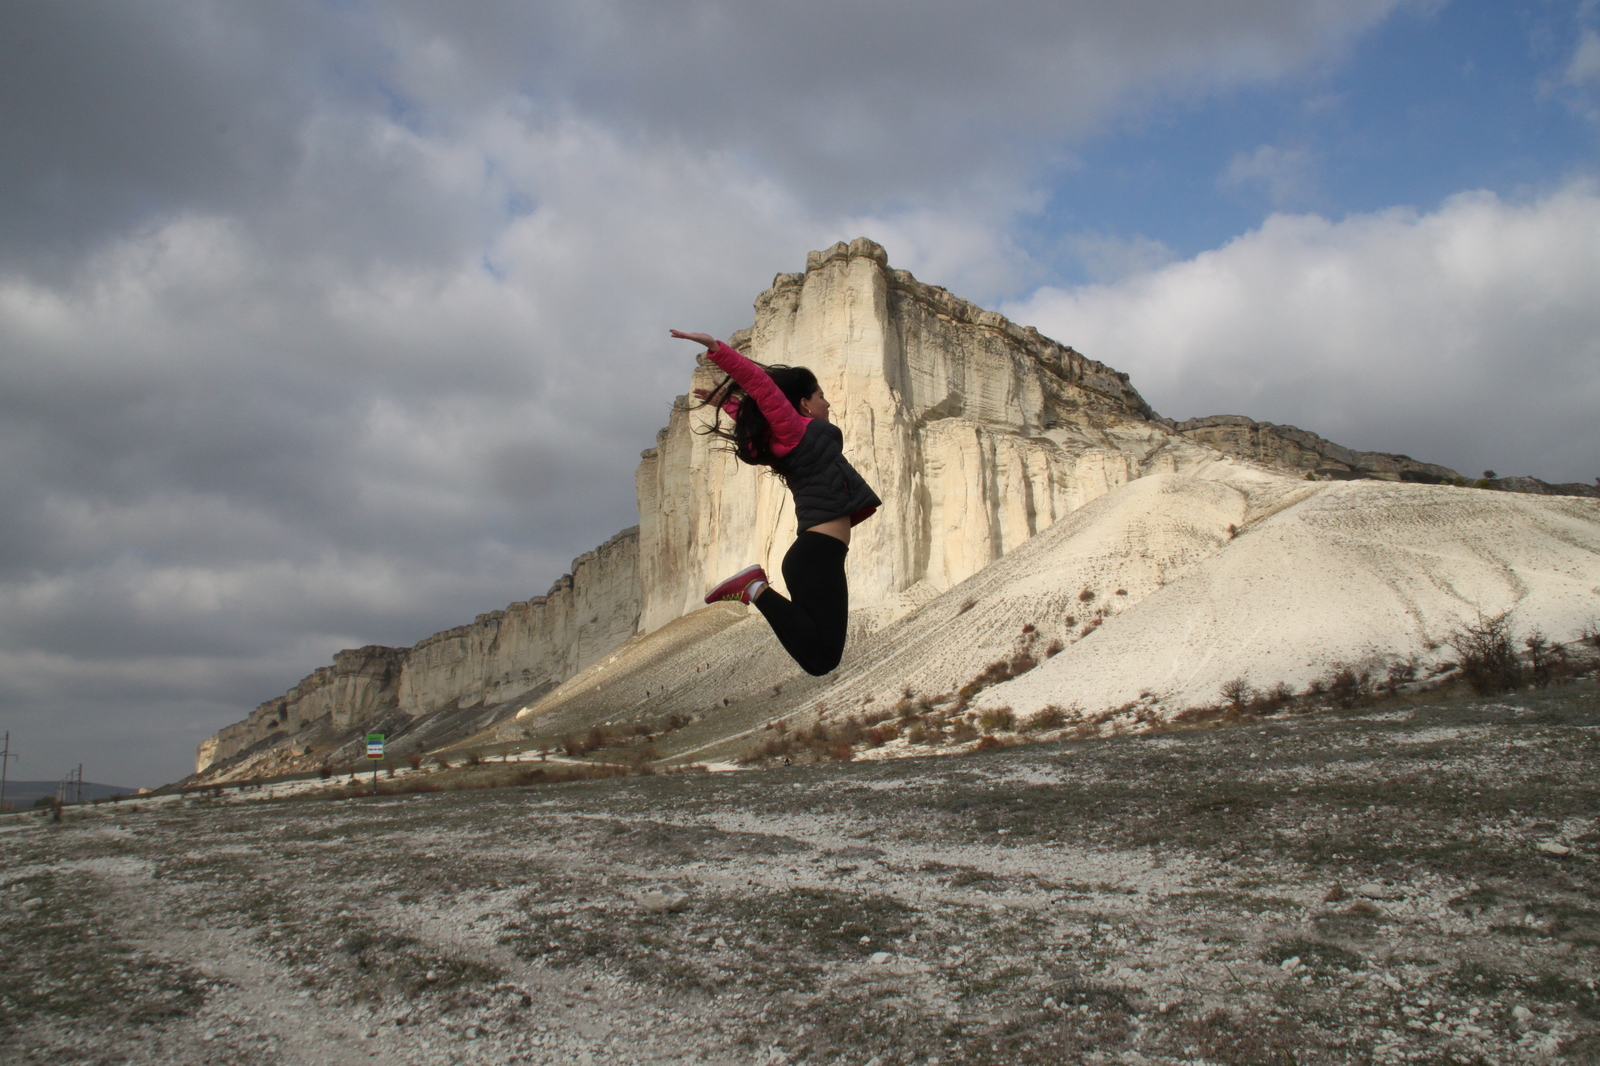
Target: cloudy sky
[{"x": 332, "y": 322}]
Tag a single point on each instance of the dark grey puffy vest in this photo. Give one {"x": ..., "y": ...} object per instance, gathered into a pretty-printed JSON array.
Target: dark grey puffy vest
[{"x": 824, "y": 484}]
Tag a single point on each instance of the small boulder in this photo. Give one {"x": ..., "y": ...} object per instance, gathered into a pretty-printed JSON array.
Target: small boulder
[
  {"x": 661, "y": 899},
  {"x": 880, "y": 957},
  {"x": 1373, "y": 890},
  {"x": 1290, "y": 965},
  {"x": 1550, "y": 847}
]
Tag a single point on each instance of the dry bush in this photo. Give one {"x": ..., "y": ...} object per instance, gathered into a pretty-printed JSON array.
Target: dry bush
[
  {"x": 1278, "y": 695},
  {"x": 1052, "y": 717},
  {"x": 1192, "y": 716},
  {"x": 1488, "y": 661},
  {"x": 1238, "y": 693},
  {"x": 967, "y": 605},
  {"x": 997, "y": 719},
  {"x": 474, "y": 759},
  {"x": 962, "y": 729},
  {"x": 987, "y": 742},
  {"x": 1086, "y": 596},
  {"x": 415, "y": 761},
  {"x": 925, "y": 732},
  {"x": 1400, "y": 673},
  {"x": 1541, "y": 658},
  {"x": 1347, "y": 687},
  {"x": 881, "y": 734},
  {"x": 1590, "y": 633},
  {"x": 1053, "y": 649}
]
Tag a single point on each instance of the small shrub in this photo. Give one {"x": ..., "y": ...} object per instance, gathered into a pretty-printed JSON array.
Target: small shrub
[
  {"x": 1233, "y": 531},
  {"x": 1238, "y": 693},
  {"x": 987, "y": 742},
  {"x": 474, "y": 759},
  {"x": 962, "y": 729},
  {"x": 998, "y": 719},
  {"x": 1540, "y": 658},
  {"x": 881, "y": 734},
  {"x": 1051, "y": 717},
  {"x": 415, "y": 761},
  {"x": 1488, "y": 661},
  {"x": 325, "y": 771},
  {"x": 966, "y": 605},
  {"x": 1347, "y": 688},
  {"x": 1399, "y": 674},
  {"x": 1280, "y": 695},
  {"x": 1053, "y": 649},
  {"x": 1086, "y": 596},
  {"x": 1071, "y": 621},
  {"x": 442, "y": 762}
]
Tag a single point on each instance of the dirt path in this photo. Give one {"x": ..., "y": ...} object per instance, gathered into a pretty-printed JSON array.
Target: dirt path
[{"x": 1405, "y": 884}]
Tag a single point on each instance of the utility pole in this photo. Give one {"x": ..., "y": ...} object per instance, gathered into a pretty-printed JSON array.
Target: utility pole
[
  {"x": 5, "y": 761},
  {"x": 80, "y": 782}
]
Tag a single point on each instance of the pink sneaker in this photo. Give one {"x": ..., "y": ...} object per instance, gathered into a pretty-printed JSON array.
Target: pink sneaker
[{"x": 737, "y": 587}]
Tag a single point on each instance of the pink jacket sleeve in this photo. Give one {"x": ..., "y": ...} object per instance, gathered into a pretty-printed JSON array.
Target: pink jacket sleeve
[{"x": 788, "y": 426}]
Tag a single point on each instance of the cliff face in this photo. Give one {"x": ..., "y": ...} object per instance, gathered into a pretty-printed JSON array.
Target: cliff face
[
  {"x": 361, "y": 685},
  {"x": 519, "y": 652},
  {"x": 1290, "y": 448},
  {"x": 530, "y": 646},
  {"x": 977, "y": 434}
]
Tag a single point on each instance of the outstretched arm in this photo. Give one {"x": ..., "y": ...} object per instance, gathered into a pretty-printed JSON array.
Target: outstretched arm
[
  {"x": 787, "y": 424},
  {"x": 699, "y": 338}
]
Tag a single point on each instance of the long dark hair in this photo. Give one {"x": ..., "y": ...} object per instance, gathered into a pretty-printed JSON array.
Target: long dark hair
[{"x": 749, "y": 432}]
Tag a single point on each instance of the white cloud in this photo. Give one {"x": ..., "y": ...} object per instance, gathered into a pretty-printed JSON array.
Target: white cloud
[
  {"x": 1584, "y": 67},
  {"x": 1468, "y": 336},
  {"x": 1287, "y": 175}
]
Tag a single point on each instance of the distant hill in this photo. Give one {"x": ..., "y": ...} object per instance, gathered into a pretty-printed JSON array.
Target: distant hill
[{"x": 21, "y": 794}]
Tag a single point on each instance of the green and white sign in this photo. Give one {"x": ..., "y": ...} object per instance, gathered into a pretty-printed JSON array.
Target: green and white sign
[{"x": 374, "y": 745}]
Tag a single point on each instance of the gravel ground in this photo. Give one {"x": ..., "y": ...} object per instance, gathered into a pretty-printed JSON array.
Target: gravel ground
[{"x": 1413, "y": 882}]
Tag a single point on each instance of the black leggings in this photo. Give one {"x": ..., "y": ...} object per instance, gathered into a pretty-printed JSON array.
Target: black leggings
[{"x": 812, "y": 626}]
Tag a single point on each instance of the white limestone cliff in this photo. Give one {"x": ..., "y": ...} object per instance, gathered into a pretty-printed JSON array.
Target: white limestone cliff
[
  {"x": 977, "y": 434},
  {"x": 1017, "y": 476},
  {"x": 516, "y": 653}
]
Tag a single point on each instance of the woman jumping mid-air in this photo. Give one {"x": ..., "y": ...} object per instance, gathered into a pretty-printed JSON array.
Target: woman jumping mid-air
[{"x": 780, "y": 419}]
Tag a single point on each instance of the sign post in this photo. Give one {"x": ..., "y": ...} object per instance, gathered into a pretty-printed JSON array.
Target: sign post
[{"x": 375, "y": 753}]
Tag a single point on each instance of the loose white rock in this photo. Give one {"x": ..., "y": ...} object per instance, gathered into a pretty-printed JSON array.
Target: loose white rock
[{"x": 661, "y": 898}]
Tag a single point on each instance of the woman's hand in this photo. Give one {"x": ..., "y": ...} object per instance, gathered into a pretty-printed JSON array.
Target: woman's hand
[{"x": 699, "y": 338}]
